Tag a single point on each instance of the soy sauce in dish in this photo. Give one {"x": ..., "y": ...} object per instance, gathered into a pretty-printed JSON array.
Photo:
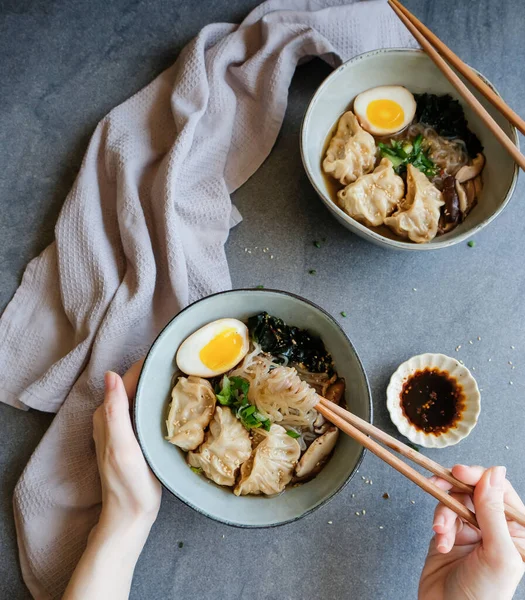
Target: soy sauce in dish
[{"x": 432, "y": 400}]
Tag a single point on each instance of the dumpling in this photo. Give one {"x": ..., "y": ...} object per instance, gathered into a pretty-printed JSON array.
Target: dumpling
[
  {"x": 227, "y": 446},
  {"x": 373, "y": 197},
  {"x": 418, "y": 215},
  {"x": 191, "y": 409},
  {"x": 352, "y": 151},
  {"x": 270, "y": 466}
]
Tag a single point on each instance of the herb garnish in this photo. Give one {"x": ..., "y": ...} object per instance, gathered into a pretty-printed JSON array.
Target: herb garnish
[
  {"x": 343, "y": 313},
  {"x": 312, "y": 271},
  {"x": 471, "y": 244},
  {"x": 259, "y": 287},
  {"x": 197, "y": 470},
  {"x": 293, "y": 434},
  {"x": 317, "y": 244},
  {"x": 233, "y": 392},
  {"x": 402, "y": 153}
]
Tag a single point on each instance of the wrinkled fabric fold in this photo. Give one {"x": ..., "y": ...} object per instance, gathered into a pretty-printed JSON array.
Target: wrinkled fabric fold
[{"x": 141, "y": 235}]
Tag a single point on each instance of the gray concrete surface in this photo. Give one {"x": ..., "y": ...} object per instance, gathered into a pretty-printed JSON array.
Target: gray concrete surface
[{"x": 63, "y": 65}]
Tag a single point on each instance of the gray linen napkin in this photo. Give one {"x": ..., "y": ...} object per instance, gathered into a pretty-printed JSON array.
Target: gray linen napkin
[{"x": 141, "y": 235}]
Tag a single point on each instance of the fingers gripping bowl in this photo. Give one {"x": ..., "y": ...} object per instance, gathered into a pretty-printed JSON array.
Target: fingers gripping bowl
[
  {"x": 170, "y": 463},
  {"x": 442, "y": 166}
]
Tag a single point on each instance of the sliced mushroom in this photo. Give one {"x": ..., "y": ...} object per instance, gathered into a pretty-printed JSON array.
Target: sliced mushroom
[
  {"x": 472, "y": 200},
  {"x": 478, "y": 184},
  {"x": 314, "y": 459},
  {"x": 468, "y": 172},
  {"x": 335, "y": 392},
  {"x": 463, "y": 200},
  {"x": 450, "y": 210}
]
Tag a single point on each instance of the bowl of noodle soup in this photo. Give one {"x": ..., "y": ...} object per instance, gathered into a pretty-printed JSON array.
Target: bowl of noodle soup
[
  {"x": 170, "y": 463},
  {"x": 489, "y": 193}
]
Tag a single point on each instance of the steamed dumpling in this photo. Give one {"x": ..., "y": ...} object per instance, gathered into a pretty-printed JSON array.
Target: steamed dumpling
[
  {"x": 373, "y": 197},
  {"x": 352, "y": 151},
  {"x": 418, "y": 215},
  {"x": 270, "y": 466},
  {"x": 191, "y": 409},
  {"x": 227, "y": 446}
]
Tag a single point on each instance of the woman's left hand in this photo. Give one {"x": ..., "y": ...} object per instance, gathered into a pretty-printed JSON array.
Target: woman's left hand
[{"x": 130, "y": 492}]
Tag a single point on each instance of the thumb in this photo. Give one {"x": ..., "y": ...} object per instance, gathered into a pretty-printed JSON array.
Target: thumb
[
  {"x": 116, "y": 411},
  {"x": 490, "y": 512}
]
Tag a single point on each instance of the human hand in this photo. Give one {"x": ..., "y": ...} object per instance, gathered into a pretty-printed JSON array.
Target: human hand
[
  {"x": 464, "y": 562},
  {"x": 130, "y": 492}
]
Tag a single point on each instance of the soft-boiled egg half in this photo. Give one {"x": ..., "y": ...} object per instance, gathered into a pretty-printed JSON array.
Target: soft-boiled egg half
[
  {"x": 214, "y": 349},
  {"x": 385, "y": 110}
]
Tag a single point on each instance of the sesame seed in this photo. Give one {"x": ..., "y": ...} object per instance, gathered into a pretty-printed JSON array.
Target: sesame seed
[
  {"x": 510, "y": 383},
  {"x": 412, "y": 501},
  {"x": 364, "y": 511},
  {"x": 329, "y": 522},
  {"x": 363, "y": 477},
  {"x": 458, "y": 347},
  {"x": 414, "y": 289},
  {"x": 470, "y": 342},
  {"x": 381, "y": 527},
  {"x": 271, "y": 256},
  {"x": 479, "y": 339},
  {"x": 353, "y": 495},
  {"x": 357, "y": 513},
  {"x": 512, "y": 347},
  {"x": 506, "y": 447},
  {"x": 490, "y": 359}
]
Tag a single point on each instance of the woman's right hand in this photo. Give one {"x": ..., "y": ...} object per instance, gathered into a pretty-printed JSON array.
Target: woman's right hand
[{"x": 464, "y": 563}]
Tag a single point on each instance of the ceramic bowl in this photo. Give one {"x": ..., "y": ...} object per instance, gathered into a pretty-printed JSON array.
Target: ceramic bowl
[
  {"x": 469, "y": 416},
  {"x": 168, "y": 462},
  {"x": 414, "y": 70}
]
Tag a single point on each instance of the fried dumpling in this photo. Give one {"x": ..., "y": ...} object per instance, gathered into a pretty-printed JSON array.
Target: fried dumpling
[
  {"x": 191, "y": 409},
  {"x": 270, "y": 466},
  {"x": 418, "y": 215},
  {"x": 352, "y": 151},
  {"x": 226, "y": 448},
  {"x": 373, "y": 197}
]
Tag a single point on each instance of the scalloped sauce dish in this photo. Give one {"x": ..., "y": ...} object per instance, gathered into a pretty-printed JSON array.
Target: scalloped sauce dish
[{"x": 433, "y": 400}]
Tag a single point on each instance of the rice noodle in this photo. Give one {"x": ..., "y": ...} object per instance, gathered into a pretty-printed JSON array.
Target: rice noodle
[
  {"x": 278, "y": 391},
  {"x": 448, "y": 154}
]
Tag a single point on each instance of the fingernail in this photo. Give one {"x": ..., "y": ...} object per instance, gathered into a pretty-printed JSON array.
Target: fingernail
[
  {"x": 462, "y": 466},
  {"x": 443, "y": 548},
  {"x": 497, "y": 476},
  {"x": 110, "y": 380}
]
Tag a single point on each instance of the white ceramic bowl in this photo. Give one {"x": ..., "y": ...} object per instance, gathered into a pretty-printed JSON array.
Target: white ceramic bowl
[
  {"x": 414, "y": 70},
  {"x": 168, "y": 462},
  {"x": 469, "y": 416}
]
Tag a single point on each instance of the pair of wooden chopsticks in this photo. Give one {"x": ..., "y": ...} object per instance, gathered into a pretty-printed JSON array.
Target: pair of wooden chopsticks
[
  {"x": 359, "y": 430},
  {"x": 436, "y": 49}
]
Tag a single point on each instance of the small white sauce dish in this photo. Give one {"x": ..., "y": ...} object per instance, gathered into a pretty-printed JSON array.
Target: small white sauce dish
[{"x": 455, "y": 370}]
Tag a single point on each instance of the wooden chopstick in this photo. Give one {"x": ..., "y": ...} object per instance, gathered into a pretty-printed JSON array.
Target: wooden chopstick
[
  {"x": 420, "y": 459},
  {"x": 469, "y": 97},
  {"x": 464, "y": 69},
  {"x": 425, "y": 484}
]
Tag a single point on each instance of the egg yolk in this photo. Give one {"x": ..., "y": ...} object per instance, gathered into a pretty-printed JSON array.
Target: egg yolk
[
  {"x": 222, "y": 351},
  {"x": 385, "y": 114}
]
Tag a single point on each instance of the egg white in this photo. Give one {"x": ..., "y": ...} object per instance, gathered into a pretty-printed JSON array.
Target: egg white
[
  {"x": 188, "y": 359},
  {"x": 396, "y": 93}
]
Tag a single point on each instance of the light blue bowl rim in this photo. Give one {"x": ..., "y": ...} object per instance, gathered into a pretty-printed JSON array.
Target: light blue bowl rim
[{"x": 140, "y": 384}]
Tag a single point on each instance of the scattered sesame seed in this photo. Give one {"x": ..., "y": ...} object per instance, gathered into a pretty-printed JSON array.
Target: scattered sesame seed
[
  {"x": 461, "y": 362},
  {"x": 223, "y": 536},
  {"x": 458, "y": 347},
  {"x": 513, "y": 366},
  {"x": 353, "y": 495},
  {"x": 357, "y": 513},
  {"x": 490, "y": 359},
  {"x": 506, "y": 447},
  {"x": 510, "y": 362},
  {"x": 414, "y": 289},
  {"x": 479, "y": 339},
  {"x": 249, "y": 251},
  {"x": 413, "y": 501},
  {"x": 329, "y": 522},
  {"x": 363, "y": 477},
  {"x": 271, "y": 256},
  {"x": 470, "y": 342},
  {"x": 512, "y": 347},
  {"x": 480, "y": 389},
  {"x": 364, "y": 511},
  {"x": 510, "y": 383},
  {"x": 381, "y": 527}
]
